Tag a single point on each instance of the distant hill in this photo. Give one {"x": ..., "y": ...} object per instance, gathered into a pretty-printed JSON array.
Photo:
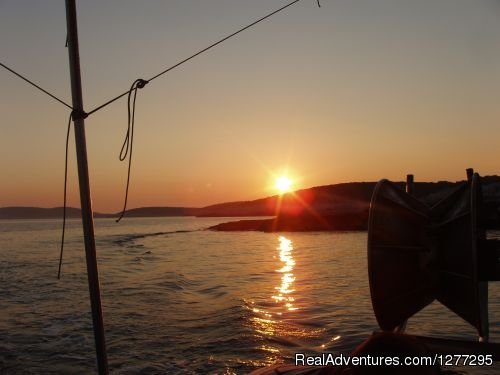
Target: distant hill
[
  {"x": 41, "y": 213},
  {"x": 338, "y": 206},
  {"x": 333, "y": 199},
  {"x": 335, "y": 207},
  {"x": 330, "y": 199},
  {"x": 73, "y": 213}
]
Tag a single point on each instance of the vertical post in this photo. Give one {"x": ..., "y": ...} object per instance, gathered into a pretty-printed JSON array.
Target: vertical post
[
  {"x": 470, "y": 173},
  {"x": 410, "y": 184},
  {"x": 410, "y": 189},
  {"x": 85, "y": 196}
]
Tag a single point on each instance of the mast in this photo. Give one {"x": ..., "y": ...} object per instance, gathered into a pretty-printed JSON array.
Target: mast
[{"x": 85, "y": 195}]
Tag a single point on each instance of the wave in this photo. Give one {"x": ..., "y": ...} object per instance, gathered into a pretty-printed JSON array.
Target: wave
[{"x": 125, "y": 240}]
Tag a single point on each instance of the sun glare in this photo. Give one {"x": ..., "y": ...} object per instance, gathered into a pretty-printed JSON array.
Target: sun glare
[{"x": 283, "y": 184}]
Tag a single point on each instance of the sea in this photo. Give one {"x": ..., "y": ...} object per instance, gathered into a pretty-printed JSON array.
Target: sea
[{"x": 179, "y": 299}]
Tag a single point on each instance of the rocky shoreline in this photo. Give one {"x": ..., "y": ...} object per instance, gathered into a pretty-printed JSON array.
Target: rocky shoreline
[{"x": 303, "y": 223}]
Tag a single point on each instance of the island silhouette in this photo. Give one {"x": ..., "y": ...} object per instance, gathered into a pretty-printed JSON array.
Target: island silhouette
[{"x": 334, "y": 207}]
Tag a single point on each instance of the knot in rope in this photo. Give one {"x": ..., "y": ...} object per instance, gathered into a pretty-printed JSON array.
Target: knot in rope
[
  {"x": 129, "y": 136},
  {"x": 79, "y": 114},
  {"x": 141, "y": 83}
]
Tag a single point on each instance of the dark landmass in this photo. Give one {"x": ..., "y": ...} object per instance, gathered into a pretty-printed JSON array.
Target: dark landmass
[
  {"x": 160, "y": 212},
  {"x": 42, "y": 213},
  {"x": 326, "y": 200},
  {"x": 322, "y": 208},
  {"x": 302, "y": 223},
  {"x": 336, "y": 207},
  {"x": 75, "y": 213}
]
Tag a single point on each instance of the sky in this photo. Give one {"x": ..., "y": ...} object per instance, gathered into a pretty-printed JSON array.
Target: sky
[{"x": 357, "y": 90}]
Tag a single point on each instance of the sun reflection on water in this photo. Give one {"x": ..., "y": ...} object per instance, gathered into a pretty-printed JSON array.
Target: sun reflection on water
[
  {"x": 287, "y": 280},
  {"x": 279, "y": 317},
  {"x": 271, "y": 321}
]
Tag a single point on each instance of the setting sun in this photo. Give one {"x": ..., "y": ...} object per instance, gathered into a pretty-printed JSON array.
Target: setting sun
[{"x": 283, "y": 184}]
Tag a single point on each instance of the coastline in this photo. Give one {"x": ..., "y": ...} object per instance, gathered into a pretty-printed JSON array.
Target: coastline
[{"x": 302, "y": 223}]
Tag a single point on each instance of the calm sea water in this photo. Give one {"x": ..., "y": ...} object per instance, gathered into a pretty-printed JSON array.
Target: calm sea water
[{"x": 179, "y": 300}]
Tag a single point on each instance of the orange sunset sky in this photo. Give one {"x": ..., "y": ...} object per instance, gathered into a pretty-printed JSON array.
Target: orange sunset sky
[{"x": 355, "y": 90}]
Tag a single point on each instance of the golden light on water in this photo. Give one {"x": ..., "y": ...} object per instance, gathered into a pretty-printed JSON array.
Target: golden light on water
[
  {"x": 268, "y": 321},
  {"x": 332, "y": 340},
  {"x": 285, "y": 289},
  {"x": 279, "y": 322}
]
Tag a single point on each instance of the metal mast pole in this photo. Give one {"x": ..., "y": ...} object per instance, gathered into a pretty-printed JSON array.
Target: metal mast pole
[{"x": 85, "y": 196}]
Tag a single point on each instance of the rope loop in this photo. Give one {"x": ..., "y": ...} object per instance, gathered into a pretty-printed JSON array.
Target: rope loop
[
  {"x": 141, "y": 83},
  {"x": 128, "y": 142}
]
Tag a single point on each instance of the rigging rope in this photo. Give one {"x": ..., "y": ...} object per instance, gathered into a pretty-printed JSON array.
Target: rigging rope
[
  {"x": 127, "y": 146},
  {"x": 65, "y": 190},
  {"x": 162, "y": 72},
  {"x": 199, "y": 53},
  {"x": 35, "y": 85},
  {"x": 128, "y": 142}
]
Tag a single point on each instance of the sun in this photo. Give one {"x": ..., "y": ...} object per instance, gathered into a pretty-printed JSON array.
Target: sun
[{"x": 283, "y": 184}]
